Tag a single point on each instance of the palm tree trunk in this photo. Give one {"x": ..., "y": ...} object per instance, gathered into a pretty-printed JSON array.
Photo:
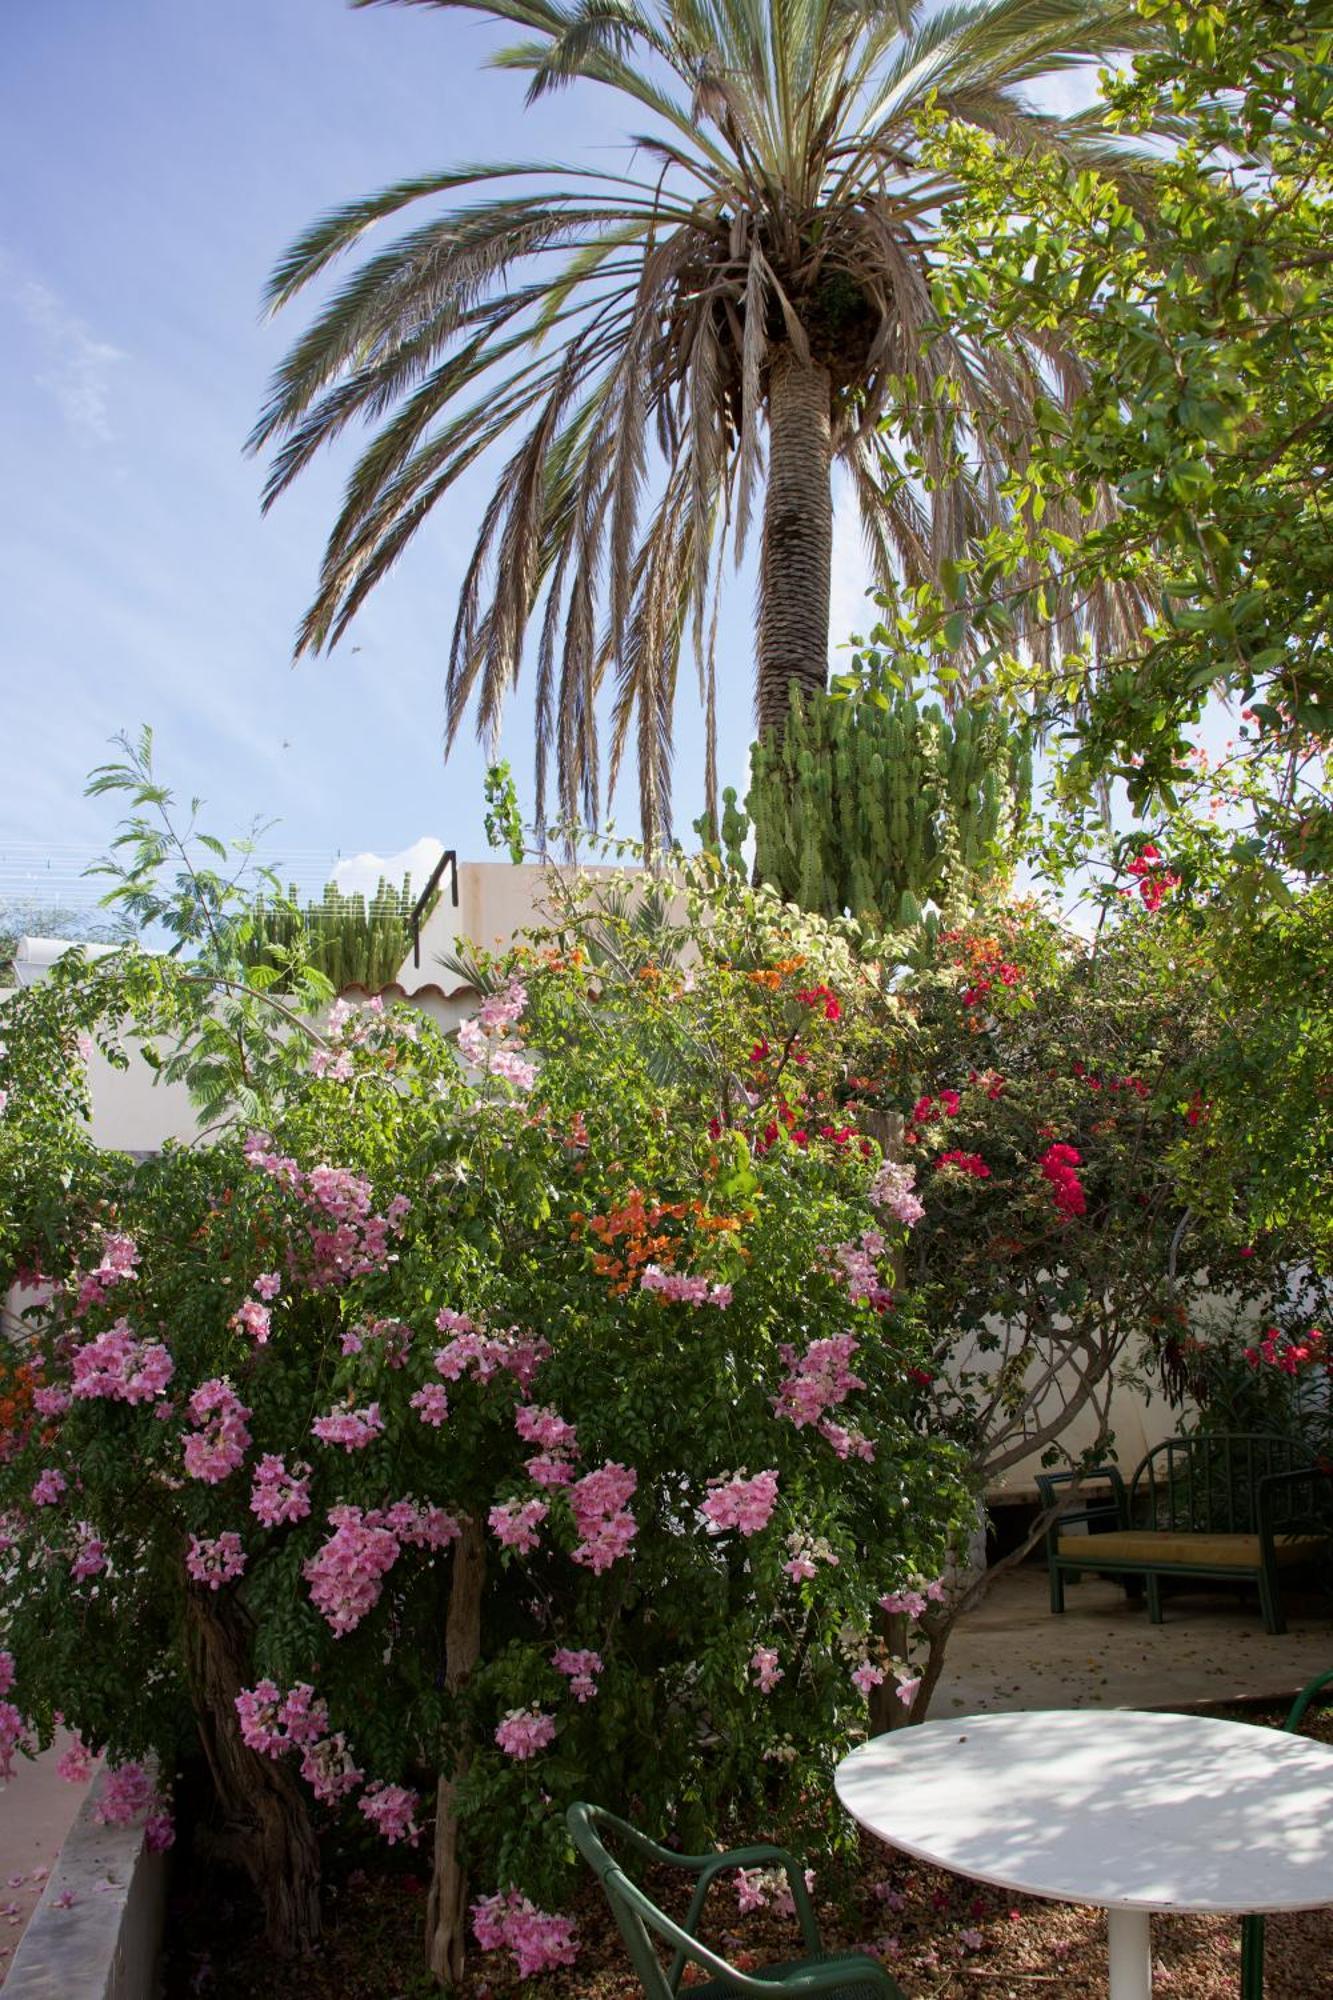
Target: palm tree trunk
[{"x": 795, "y": 573}]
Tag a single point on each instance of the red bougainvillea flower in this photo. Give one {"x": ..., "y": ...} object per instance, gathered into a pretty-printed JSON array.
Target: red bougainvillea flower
[
  {"x": 970, "y": 1164},
  {"x": 817, "y": 996},
  {"x": 1058, "y": 1164}
]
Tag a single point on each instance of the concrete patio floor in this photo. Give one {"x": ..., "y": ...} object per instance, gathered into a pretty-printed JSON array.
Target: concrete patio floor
[
  {"x": 37, "y": 1810},
  {"x": 1012, "y": 1652}
]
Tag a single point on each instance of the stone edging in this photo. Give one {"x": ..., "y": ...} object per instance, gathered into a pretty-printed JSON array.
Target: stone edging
[{"x": 97, "y": 1931}]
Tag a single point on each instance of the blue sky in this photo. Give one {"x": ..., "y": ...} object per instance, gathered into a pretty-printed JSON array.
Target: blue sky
[{"x": 159, "y": 155}]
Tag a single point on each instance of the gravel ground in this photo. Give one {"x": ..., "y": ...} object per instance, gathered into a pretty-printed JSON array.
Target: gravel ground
[{"x": 939, "y": 1934}]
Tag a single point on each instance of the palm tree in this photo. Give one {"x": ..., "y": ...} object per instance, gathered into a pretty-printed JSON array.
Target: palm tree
[{"x": 761, "y": 270}]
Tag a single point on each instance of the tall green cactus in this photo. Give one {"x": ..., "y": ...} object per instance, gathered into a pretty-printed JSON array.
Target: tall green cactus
[
  {"x": 351, "y": 942},
  {"x": 874, "y": 805}
]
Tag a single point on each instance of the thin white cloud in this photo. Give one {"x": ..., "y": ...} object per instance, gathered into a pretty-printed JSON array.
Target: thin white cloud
[
  {"x": 362, "y": 872},
  {"x": 79, "y": 368}
]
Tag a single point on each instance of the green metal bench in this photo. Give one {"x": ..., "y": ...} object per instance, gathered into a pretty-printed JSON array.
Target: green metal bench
[
  {"x": 1234, "y": 1507},
  {"x": 1252, "y": 1928},
  {"x": 851, "y": 1976}
]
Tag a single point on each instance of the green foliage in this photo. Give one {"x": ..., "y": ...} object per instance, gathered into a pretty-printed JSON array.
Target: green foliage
[
  {"x": 873, "y": 802},
  {"x": 533, "y": 1201},
  {"x": 351, "y": 942},
  {"x": 1205, "y": 349},
  {"x": 504, "y": 821}
]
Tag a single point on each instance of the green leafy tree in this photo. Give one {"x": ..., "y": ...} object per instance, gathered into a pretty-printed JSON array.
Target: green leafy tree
[
  {"x": 761, "y": 273},
  {"x": 1206, "y": 406}
]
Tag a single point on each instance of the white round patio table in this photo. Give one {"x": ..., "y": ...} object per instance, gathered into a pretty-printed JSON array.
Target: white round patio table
[{"x": 1124, "y": 1810}]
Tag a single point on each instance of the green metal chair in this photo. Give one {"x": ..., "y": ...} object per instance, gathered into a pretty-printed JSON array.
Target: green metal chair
[
  {"x": 851, "y": 1976},
  {"x": 1252, "y": 1928}
]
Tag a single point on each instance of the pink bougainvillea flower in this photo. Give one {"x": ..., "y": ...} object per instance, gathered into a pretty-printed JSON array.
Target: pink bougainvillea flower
[
  {"x": 391, "y": 1810},
  {"x": 515, "y": 1523},
  {"x": 280, "y": 1495},
  {"x": 216, "y": 1560},
  {"x": 220, "y": 1440},
  {"x": 346, "y": 1575},
  {"x": 351, "y": 1428},
  {"x": 737, "y": 1502},
  {"x": 539, "y": 1941},
  {"x": 606, "y": 1527},
  {"x": 49, "y": 1487},
  {"x": 582, "y": 1668},
  {"x": 767, "y": 1672},
  {"x": 525, "y": 1731},
  {"x": 119, "y": 1368}
]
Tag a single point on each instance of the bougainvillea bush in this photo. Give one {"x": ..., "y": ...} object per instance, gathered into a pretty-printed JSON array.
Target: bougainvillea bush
[{"x": 475, "y": 1423}]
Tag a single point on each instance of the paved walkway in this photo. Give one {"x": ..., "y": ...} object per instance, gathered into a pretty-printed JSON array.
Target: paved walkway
[
  {"x": 36, "y": 1812},
  {"x": 1012, "y": 1652}
]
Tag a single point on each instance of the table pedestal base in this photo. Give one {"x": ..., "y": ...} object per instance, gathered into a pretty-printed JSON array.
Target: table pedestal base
[{"x": 1129, "y": 1934}]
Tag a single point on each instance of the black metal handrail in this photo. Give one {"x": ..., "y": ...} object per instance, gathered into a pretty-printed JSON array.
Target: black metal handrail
[{"x": 449, "y": 860}]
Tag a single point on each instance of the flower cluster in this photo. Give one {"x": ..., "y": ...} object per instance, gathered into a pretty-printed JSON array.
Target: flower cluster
[
  {"x": 76, "y": 1763},
  {"x": 1059, "y": 1164},
  {"x": 485, "y": 1043},
  {"x": 89, "y": 1557},
  {"x": 273, "y": 1724},
  {"x": 856, "y": 1265},
  {"x": 524, "y": 1731},
  {"x": 431, "y": 1404},
  {"x": 515, "y": 1523},
  {"x": 767, "y": 1888},
  {"x": 345, "y": 1238},
  {"x": 737, "y": 1502},
  {"x": 823, "y": 998},
  {"x": 475, "y": 1352},
  {"x": 600, "y": 1505},
  {"x": 767, "y": 1672},
  {"x": 807, "y": 1552},
  {"x": 121, "y": 1369},
  {"x": 120, "y": 1256},
  {"x": 351, "y": 1428},
  {"x": 540, "y": 1425},
  {"x": 49, "y": 1487},
  {"x": 970, "y": 1165},
  {"x": 1154, "y": 881},
  {"x": 346, "y": 1574},
  {"x": 927, "y": 1110},
  {"x": 892, "y": 1189},
  {"x": 539, "y": 1941},
  {"x": 252, "y": 1317},
  {"x": 220, "y": 1439},
  {"x": 582, "y": 1669},
  {"x": 129, "y": 1792},
  {"x": 391, "y": 1810},
  {"x": 280, "y": 1495},
  {"x": 685, "y": 1290},
  {"x": 818, "y": 1380},
  {"x": 216, "y": 1560},
  {"x": 13, "y": 1729},
  {"x": 1290, "y": 1357}
]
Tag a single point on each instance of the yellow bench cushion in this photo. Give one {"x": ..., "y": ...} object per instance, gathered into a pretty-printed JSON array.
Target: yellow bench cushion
[{"x": 1167, "y": 1545}]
